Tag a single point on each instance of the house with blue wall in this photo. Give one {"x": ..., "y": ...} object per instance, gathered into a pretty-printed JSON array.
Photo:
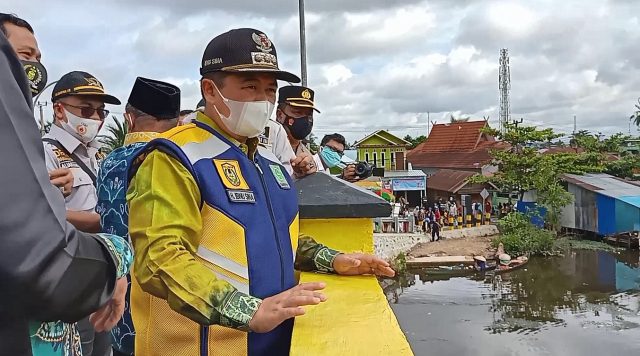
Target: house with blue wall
[{"x": 602, "y": 204}]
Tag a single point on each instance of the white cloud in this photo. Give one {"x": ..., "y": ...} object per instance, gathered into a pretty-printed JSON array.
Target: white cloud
[{"x": 377, "y": 63}]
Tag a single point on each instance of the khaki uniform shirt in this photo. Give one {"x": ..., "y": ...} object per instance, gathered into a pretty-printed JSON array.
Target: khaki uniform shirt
[{"x": 83, "y": 196}]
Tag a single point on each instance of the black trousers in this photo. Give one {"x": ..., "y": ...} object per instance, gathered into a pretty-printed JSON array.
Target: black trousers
[
  {"x": 435, "y": 232},
  {"x": 93, "y": 343}
]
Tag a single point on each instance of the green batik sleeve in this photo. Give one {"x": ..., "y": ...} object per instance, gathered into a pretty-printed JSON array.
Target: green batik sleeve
[
  {"x": 238, "y": 309},
  {"x": 121, "y": 250},
  {"x": 312, "y": 256}
]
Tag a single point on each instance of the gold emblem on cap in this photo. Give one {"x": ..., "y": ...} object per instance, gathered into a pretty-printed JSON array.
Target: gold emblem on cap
[
  {"x": 306, "y": 94},
  {"x": 94, "y": 82},
  {"x": 263, "y": 42}
]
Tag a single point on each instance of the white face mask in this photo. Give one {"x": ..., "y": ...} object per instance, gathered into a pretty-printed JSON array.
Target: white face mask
[
  {"x": 246, "y": 118},
  {"x": 83, "y": 129}
]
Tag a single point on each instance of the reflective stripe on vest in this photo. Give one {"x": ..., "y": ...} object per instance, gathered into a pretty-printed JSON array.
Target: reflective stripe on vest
[
  {"x": 209, "y": 148},
  {"x": 226, "y": 264}
]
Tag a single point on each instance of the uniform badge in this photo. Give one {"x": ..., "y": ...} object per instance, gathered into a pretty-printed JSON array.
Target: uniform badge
[
  {"x": 306, "y": 94},
  {"x": 64, "y": 160},
  {"x": 280, "y": 176},
  {"x": 230, "y": 174},
  {"x": 263, "y": 42},
  {"x": 241, "y": 196}
]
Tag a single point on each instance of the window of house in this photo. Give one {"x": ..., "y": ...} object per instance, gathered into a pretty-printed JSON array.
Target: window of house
[
  {"x": 375, "y": 158},
  {"x": 366, "y": 157},
  {"x": 382, "y": 156}
]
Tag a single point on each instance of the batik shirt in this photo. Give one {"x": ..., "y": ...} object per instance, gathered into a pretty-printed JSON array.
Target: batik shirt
[
  {"x": 57, "y": 338},
  {"x": 114, "y": 217},
  {"x": 149, "y": 197}
]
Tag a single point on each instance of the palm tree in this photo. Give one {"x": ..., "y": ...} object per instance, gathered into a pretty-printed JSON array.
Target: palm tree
[
  {"x": 115, "y": 136},
  {"x": 636, "y": 115}
]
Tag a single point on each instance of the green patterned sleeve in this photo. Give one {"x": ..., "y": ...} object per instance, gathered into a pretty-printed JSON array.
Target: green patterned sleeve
[
  {"x": 120, "y": 250},
  {"x": 238, "y": 309},
  {"x": 313, "y": 256}
]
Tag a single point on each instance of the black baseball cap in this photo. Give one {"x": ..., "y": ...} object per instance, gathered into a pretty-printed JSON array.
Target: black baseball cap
[
  {"x": 156, "y": 98},
  {"x": 297, "y": 95},
  {"x": 243, "y": 50},
  {"x": 81, "y": 83}
]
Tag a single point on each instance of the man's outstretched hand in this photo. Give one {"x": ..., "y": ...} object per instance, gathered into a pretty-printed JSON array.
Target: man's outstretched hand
[
  {"x": 351, "y": 264},
  {"x": 108, "y": 316},
  {"x": 288, "y": 304}
]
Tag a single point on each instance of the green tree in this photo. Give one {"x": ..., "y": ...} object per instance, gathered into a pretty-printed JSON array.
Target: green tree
[
  {"x": 522, "y": 167},
  {"x": 635, "y": 117},
  {"x": 115, "y": 136},
  {"x": 593, "y": 142},
  {"x": 313, "y": 144},
  {"x": 47, "y": 126},
  {"x": 415, "y": 141},
  {"x": 627, "y": 167}
]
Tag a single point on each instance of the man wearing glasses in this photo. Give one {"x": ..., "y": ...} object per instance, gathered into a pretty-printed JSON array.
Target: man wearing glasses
[
  {"x": 79, "y": 112},
  {"x": 331, "y": 156},
  {"x": 78, "y": 107}
]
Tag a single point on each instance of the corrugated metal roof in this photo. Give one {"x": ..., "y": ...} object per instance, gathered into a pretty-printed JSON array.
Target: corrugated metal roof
[
  {"x": 448, "y": 180},
  {"x": 400, "y": 174},
  {"x": 635, "y": 201},
  {"x": 607, "y": 185}
]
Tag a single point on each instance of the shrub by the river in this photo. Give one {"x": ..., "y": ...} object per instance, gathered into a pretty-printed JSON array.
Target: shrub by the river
[{"x": 520, "y": 237}]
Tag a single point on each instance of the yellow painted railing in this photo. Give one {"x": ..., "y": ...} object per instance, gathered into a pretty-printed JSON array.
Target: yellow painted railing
[{"x": 356, "y": 319}]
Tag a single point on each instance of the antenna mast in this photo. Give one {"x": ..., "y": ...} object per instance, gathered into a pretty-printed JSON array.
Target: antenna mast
[{"x": 504, "y": 84}]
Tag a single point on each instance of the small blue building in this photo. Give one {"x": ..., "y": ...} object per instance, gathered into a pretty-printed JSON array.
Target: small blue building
[{"x": 603, "y": 204}]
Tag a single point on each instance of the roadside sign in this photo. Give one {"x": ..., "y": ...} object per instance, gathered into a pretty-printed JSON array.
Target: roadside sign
[{"x": 484, "y": 194}]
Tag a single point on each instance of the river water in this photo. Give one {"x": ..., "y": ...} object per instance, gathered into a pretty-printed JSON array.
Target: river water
[{"x": 585, "y": 303}]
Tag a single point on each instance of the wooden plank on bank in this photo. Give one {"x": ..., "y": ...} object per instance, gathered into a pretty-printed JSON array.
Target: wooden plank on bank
[{"x": 439, "y": 261}]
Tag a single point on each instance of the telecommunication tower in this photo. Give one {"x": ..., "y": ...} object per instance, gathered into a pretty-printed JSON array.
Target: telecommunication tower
[{"x": 504, "y": 84}]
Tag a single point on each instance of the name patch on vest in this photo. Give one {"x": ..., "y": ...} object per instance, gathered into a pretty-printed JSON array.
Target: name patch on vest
[
  {"x": 280, "y": 176},
  {"x": 230, "y": 174},
  {"x": 241, "y": 196}
]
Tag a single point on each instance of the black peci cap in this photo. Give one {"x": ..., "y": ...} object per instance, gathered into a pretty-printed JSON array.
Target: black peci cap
[
  {"x": 156, "y": 98},
  {"x": 81, "y": 83},
  {"x": 297, "y": 95},
  {"x": 243, "y": 50}
]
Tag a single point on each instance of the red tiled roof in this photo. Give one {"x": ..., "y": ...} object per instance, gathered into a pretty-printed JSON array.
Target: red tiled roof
[
  {"x": 454, "y": 137},
  {"x": 457, "y": 145},
  {"x": 467, "y": 160},
  {"x": 448, "y": 180}
]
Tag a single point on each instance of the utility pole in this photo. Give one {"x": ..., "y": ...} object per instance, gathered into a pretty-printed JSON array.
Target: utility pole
[
  {"x": 40, "y": 105},
  {"x": 428, "y": 123},
  {"x": 504, "y": 85},
  {"x": 517, "y": 122},
  {"x": 575, "y": 126},
  {"x": 303, "y": 44}
]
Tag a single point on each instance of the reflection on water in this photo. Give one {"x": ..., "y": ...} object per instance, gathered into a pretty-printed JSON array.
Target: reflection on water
[{"x": 583, "y": 302}]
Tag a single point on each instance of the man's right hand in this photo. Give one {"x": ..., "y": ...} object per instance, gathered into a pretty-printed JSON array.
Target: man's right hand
[
  {"x": 63, "y": 179},
  {"x": 349, "y": 173},
  {"x": 288, "y": 304}
]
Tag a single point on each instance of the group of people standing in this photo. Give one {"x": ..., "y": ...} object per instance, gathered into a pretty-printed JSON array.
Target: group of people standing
[{"x": 205, "y": 211}]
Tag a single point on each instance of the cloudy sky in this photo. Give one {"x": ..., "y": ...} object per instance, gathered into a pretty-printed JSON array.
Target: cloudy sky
[{"x": 374, "y": 63}]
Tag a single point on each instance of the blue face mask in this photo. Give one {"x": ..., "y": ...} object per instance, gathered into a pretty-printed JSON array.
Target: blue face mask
[{"x": 330, "y": 157}]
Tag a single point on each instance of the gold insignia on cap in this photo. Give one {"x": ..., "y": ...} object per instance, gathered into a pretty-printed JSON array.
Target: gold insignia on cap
[
  {"x": 94, "y": 82},
  {"x": 306, "y": 94},
  {"x": 264, "y": 59},
  {"x": 263, "y": 42}
]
